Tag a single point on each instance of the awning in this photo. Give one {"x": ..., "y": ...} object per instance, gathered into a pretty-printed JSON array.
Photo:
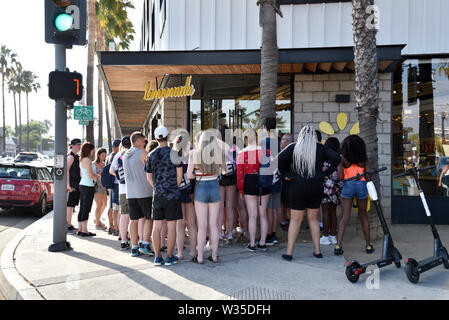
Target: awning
[{"x": 125, "y": 74}]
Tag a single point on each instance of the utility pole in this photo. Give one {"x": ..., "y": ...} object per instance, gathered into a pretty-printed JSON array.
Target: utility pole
[
  {"x": 65, "y": 26},
  {"x": 60, "y": 242}
]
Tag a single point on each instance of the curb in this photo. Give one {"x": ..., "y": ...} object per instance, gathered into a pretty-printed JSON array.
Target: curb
[{"x": 12, "y": 284}]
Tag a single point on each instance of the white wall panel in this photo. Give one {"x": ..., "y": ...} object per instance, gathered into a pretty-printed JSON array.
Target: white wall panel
[
  {"x": 253, "y": 30},
  {"x": 193, "y": 24},
  {"x": 207, "y": 25},
  {"x": 238, "y": 28},
  {"x": 222, "y": 24},
  {"x": 422, "y": 25}
]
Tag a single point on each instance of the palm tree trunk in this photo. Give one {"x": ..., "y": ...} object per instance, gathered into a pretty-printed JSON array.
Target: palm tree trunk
[
  {"x": 20, "y": 121},
  {"x": 108, "y": 122},
  {"x": 100, "y": 47},
  {"x": 367, "y": 88},
  {"x": 4, "y": 119},
  {"x": 269, "y": 60},
  {"x": 28, "y": 126},
  {"x": 90, "y": 67},
  {"x": 15, "y": 115}
]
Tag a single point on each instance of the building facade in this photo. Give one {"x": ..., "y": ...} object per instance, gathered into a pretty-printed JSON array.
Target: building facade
[{"x": 217, "y": 43}]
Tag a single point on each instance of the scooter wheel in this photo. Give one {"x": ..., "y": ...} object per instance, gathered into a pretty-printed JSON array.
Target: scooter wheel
[
  {"x": 411, "y": 270},
  {"x": 350, "y": 272},
  {"x": 397, "y": 258}
]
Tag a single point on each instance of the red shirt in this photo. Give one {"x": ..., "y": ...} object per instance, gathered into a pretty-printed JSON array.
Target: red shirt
[{"x": 248, "y": 162}]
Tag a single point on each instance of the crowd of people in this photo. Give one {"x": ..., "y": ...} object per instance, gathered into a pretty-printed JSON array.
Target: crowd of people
[{"x": 218, "y": 189}]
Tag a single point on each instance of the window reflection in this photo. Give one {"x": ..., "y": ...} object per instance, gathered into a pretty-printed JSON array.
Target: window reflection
[{"x": 420, "y": 131}]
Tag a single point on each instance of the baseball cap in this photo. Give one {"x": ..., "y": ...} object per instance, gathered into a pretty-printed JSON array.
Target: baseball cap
[
  {"x": 75, "y": 142},
  {"x": 116, "y": 143},
  {"x": 126, "y": 142},
  {"x": 161, "y": 132}
]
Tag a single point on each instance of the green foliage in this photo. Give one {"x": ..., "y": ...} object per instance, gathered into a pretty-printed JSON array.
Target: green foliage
[{"x": 37, "y": 130}]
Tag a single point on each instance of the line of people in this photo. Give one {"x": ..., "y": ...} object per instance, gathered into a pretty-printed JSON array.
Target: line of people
[{"x": 217, "y": 190}]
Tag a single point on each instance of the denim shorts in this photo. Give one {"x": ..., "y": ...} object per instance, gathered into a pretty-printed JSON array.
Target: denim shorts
[
  {"x": 114, "y": 197},
  {"x": 355, "y": 188},
  {"x": 207, "y": 191}
]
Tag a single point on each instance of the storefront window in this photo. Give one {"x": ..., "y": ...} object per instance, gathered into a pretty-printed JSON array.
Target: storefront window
[
  {"x": 420, "y": 128},
  {"x": 234, "y": 101}
]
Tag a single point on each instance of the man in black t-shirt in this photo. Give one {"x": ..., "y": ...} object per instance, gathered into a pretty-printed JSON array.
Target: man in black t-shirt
[
  {"x": 73, "y": 180},
  {"x": 164, "y": 176}
]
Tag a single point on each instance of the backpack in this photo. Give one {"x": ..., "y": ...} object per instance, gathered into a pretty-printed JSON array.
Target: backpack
[
  {"x": 266, "y": 180},
  {"x": 120, "y": 171},
  {"x": 107, "y": 179}
]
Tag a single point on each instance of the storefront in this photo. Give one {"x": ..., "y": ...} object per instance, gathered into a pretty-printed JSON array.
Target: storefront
[{"x": 420, "y": 135}]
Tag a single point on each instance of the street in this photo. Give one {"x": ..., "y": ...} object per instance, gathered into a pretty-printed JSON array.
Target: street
[{"x": 11, "y": 223}]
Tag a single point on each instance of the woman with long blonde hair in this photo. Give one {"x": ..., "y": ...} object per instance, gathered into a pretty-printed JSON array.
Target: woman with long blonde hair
[
  {"x": 205, "y": 166},
  {"x": 301, "y": 164}
]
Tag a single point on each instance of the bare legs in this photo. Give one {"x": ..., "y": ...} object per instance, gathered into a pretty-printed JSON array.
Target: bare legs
[
  {"x": 346, "y": 206},
  {"x": 329, "y": 219},
  {"x": 188, "y": 211},
  {"x": 207, "y": 212},
  {"x": 100, "y": 204},
  {"x": 69, "y": 216},
  {"x": 124, "y": 224},
  {"x": 228, "y": 197},
  {"x": 157, "y": 235},
  {"x": 295, "y": 223},
  {"x": 255, "y": 207}
]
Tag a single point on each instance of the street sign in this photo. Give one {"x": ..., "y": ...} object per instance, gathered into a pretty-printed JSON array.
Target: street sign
[
  {"x": 83, "y": 123},
  {"x": 84, "y": 113},
  {"x": 67, "y": 86}
]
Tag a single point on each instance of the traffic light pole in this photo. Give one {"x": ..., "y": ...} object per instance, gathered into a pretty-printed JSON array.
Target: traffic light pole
[{"x": 60, "y": 199}]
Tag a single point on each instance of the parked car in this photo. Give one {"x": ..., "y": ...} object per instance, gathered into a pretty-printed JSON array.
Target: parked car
[
  {"x": 27, "y": 157},
  {"x": 26, "y": 185}
]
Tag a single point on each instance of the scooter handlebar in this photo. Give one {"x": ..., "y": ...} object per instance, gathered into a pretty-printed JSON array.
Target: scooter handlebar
[
  {"x": 371, "y": 172},
  {"x": 409, "y": 173}
]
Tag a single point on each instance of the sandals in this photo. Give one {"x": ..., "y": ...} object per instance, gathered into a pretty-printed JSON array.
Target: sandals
[
  {"x": 88, "y": 234},
  {"x": 338, "y": 250},
  {"x": 369, "y": 249},
  {"x": 287, "y": 257},
  {"x": 212, "y": 259}
]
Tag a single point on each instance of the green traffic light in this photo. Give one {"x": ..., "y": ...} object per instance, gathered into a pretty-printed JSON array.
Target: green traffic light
[{"x": 63, "y": 22}]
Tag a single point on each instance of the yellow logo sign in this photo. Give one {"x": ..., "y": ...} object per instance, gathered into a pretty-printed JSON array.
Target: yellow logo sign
[{"x": 185, "y": 91}]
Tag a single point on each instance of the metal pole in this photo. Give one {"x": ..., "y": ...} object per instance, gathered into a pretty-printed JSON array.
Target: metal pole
[{"x": 60, "y": 201}]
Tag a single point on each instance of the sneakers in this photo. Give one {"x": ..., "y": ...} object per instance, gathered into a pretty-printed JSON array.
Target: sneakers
[
  {"x": 333, "y": 239},
  {"x": 269, "y": 240},
  {"x": 158, "y": 261},
  {"x": 115, "y": 233},
  {"x": 146, "y": 250},
  {"x": 338, "y": 250},
  {"x": 171, "y": 260},
  {"x": 324, "y": 240},
  {"x": 263, "y": 248},
  {"x": 110, "y": 231},
  {"x": 251, "y": 249},
  {"x": 284, "y": 226},
  {"x": 275, "y": 240},
  {"x": 124, "y": 246},
  {"x": 71, "y": 229},
  {"x": 135, "y": 252}
]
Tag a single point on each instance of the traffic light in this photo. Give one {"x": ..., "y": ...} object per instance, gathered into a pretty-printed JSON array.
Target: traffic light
[
  {"x": 65, "y": 22},
  {"x": 66, "y": 86}
]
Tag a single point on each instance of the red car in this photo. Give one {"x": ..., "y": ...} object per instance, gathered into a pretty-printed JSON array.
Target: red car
[{"x": 26, "y": 185}]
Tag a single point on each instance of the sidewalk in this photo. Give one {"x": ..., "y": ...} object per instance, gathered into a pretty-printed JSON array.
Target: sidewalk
[{"x": 97, "y": 269}]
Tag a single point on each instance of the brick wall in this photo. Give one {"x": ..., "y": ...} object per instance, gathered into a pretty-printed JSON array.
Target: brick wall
[
  {"x": 315, "y": 102},
  {"x": 174, "y": 113}
]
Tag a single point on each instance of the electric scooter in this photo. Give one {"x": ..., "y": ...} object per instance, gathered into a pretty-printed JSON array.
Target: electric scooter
[
  {"x": 414, "y": 268},
  {"x": 389, "y": 253}
]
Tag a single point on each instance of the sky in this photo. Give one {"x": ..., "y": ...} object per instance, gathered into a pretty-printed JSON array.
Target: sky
[{"x": 22, "y": 30}]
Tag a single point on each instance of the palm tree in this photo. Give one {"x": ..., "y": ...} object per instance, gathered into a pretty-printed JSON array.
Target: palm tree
[
  {"x": 269, "y": 55},
  {"x": 90, "y": 65},
  {"x": 13, "y": 88},
  {"x": 366, "y": 83},
  {"x": 113, "y": 22},
  {"x": 29, "y": 84},
  {"x": 7, "y": 59},
  {"x": 19, "y": 87}
]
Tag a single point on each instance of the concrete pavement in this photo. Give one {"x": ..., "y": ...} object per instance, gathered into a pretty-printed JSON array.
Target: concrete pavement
[{"x": 97, "y": 269}]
